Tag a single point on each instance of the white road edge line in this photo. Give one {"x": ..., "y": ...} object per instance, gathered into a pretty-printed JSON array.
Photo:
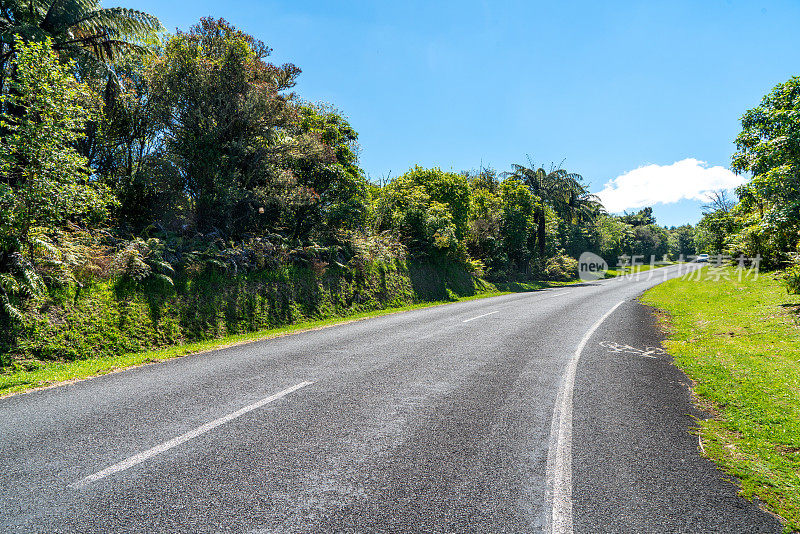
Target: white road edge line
[
  {"x": 183, "y": 438},
  {"x": 559, "y": 453},
  {"x": 478, "y": 317}
]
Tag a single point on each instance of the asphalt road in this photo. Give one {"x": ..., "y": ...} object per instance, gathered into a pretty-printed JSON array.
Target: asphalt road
[{"x": 519, "y": 413}]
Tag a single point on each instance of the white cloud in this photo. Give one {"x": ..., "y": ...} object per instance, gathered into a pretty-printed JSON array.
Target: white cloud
[{"x": 664, "y": 184}]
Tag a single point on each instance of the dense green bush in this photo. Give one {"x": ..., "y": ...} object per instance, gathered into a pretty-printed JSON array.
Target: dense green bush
[
  {"x": 561, "y": 268},
  {"x": 792, "y": 276}
]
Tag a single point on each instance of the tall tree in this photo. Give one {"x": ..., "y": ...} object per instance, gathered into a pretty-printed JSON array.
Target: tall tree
[
  {"x": 44, "y": 182},
  {"x": 43, "y": 177},
  {"x": 518, "y": 205},
  {"x": 226, "y": 127},
  {"x": 76, "y": 26},
  {"x": 768, "y": 147},
  {"x": 326, "y": 162},
  {"x": 559, "y": 189},
  {"x": 643, "y": 217}
]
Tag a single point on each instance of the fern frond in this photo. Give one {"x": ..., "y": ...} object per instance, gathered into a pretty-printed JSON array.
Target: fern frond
[
  {"x": 164, "y": 278},
  {"x": 11, "y": 310}
]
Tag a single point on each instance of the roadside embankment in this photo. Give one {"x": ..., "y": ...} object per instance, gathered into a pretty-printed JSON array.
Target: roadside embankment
[{"x": 76, "y": 333}]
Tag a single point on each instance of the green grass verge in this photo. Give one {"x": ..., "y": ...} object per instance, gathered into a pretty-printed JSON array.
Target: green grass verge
[
  {"x": 54, "y": 373},
  {"x": 739, "y": 341},
  {"x": 523, "y": 287},
  {"x": 611, "y": 273}
]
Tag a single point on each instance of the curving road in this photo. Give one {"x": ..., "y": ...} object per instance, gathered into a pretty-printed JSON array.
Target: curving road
[{"x": 547, "y": 411}]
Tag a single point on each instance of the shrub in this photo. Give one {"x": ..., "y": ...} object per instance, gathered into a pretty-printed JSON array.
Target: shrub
[
  {"x": 792, "y": 277},
  {"x": 561, "y": 268}
]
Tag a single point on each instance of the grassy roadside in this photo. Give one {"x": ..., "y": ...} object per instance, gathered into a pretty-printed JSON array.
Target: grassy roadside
[
  {"x": 739, "y": 341},
  {"x": 611, "y": 273},
  {"x": 55, "y": 373}
]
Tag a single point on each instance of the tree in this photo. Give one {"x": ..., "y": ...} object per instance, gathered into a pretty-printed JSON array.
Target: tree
[
  {"x": 719, "y": 201},
  {"x": 44, "y": 180},
  {"x": 643, "y": 217},
  {"x": 682, "y": 241},
  {"x": 327, "y": 164},
  {"x": 615, "y": 237},
  {"x": 717, "y": 226},
  {"x": 447, "y": 188},
  {"x": 484, "y": 238},
  {"x": 518, "y": 207},
  {"x": 649, "y": 241},
  {"x": 486, "y": 179},
  {"x": 78, "y": 29},
  {"x": 226, "y": 127},
  {"x": 768, "y": 147},
  {"x": 562, "y": 191},
  {"x": 430, "y": 210},
  {"x": 126, "y": 148},
  {"x": 714, "y": 231}
]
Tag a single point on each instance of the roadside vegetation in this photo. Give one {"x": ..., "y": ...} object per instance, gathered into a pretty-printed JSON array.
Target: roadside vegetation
[
  {"x": 36, "y": 374},
  {"x": 166, "y": 189},
  {"x": 737, "y": 337},
  {"x": 764, "y": 220},
  {"x": 739, "y": 342}
]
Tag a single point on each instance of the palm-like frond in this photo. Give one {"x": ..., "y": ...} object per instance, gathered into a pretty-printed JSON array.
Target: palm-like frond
[
  {"x": 77, "y": 27},
  {"x": 563, "y": 191},
  {"x": 21, "y": 283}
]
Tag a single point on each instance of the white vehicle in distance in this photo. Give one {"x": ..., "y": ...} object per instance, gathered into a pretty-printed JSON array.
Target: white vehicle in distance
[{"x": 702, "y": 258}]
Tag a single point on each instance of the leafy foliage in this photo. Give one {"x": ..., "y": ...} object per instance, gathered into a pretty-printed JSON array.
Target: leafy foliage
[
  {"x": 19, "y": 284},
  {"x": 75, "y": 27},
  {"x": 327, "y": 164},
  {"x": 561, "y": 191},
  {"x": 518, "y": 208},
  {"x": 768, "y": 147},
  {"x": 224, "y": 120},
  {"x": 792, "y": 276},
  {"x": 429, "y": 209},
  {"x": 561, "y": 268},
  {"x": 44, "y": 181},
  {"x": 143, "y": 258}
]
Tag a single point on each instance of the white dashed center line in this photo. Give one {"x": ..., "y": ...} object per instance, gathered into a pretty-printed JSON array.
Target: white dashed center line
[
  {"x": 183, "y": 438},
  {"x": 478, "y": 317}
]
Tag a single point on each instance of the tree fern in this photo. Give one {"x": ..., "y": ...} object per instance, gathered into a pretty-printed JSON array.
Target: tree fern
[{"x": 78, "y": 29}]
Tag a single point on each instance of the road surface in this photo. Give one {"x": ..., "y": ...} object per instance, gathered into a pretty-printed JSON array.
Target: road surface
[{"x": 550, "y": 411}]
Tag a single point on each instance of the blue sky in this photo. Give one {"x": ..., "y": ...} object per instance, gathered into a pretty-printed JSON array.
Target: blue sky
[{"x": 608, "y": 87}]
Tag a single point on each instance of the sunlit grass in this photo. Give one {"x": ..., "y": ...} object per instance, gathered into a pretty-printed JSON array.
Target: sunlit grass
[{"x": 739, "y": 341}]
